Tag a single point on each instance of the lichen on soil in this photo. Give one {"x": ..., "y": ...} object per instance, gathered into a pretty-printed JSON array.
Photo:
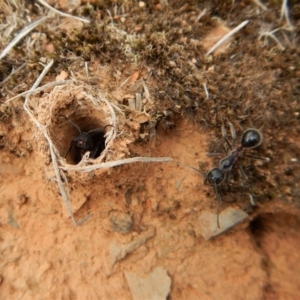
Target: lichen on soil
[{"x": 152, "y": 230}]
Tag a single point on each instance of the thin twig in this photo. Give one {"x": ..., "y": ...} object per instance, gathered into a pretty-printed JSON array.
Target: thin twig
[
  {"x": 111, "y": 18},
  {"x": 271, "y": 35},
  {"x": 285, "y": 13},
  {"x": 13, "y": 72},
  {"x": 206, "y": 90},
  {"x": 44, "y": 3},
  {"x": 123, "y": 83},
  {"x": 42, "y": 75},
  {"x": 20, "y": 35},
  {"x": 115, "y": 163},
  {"x": 37, "y": 90},
  {"x": 43, "y": 130},
  {"x": 203, "y": 12},
  {"x": 226, "y": 37},
  {"x": 259, "y": 4}
]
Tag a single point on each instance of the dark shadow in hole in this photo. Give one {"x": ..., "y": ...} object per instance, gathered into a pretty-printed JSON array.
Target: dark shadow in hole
[
  {"x": 90, "y": 138},
  {"x": 281, "y": 223},
  {"x": 95, "y": 144},
  {"x": 257, "y": 226}
]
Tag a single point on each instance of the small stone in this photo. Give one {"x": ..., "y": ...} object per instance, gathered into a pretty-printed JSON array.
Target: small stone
[
  {"x": 143, "y": 136},
  {"x": 142, "y": 4},
  {"x": 155, "y": 286},
  {"x": 43, "y": 60},
  {"x": 138, "y": 102},
  {"x": 22, "y": 199},
  {"x": 227, "y": 219},
  {"x": 121, "y": 222},
  {"x": 142, "y": 118},
  {"x": 131, "y": 104},
  {"x": 62, "y": 76}
]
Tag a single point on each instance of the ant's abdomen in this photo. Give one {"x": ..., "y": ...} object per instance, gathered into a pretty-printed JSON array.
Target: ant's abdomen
[{"x": 251, "y": 138}]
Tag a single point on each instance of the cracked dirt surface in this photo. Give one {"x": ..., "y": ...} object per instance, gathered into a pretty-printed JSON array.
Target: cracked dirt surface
[{"x": 44, "y": 256}]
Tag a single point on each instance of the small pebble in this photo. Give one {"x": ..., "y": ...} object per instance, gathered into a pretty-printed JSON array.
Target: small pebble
[
  {"x": 120, "y": 222},
  {"x": 22, "y": 199},
  {"x": 142, "y": 4},
  {"x": 228, "y": 218}
]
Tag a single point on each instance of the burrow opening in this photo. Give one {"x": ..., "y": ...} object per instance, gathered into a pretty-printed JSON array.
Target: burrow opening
[{"x": 90, "y": 121}]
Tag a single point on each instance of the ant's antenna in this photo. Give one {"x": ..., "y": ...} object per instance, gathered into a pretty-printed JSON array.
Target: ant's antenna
[
  {"x": 196, "y": 170},
  {"x": 72, "y": 123},
  {"x": 100, "y": 129}
]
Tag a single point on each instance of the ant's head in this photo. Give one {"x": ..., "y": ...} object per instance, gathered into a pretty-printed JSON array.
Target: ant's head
[
  {"x": 83, "y": 143},
  {"x": 251, "y": 138},
  {"x": 214, "y": 177}
]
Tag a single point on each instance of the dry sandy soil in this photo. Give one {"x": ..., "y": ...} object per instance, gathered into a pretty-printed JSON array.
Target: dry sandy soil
[{"x": 142, "y": 230}]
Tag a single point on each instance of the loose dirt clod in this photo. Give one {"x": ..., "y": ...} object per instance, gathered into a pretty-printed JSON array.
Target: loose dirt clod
[
  {"x": 121, "y": 222},
  {"x": 228, "y": 218},
  {"x": 154, "y": 286},
  {"x": 118, "y": 251}
]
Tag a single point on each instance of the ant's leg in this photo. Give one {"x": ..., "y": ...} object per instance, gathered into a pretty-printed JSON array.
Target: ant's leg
[
  {"x": 223, "y": 130},
  {"x": 228, "y": 175},
  {"x": 214, "y": 154},
  {"x": 70, "y": 148},
  {"x": 233, "y": 134},
  {"x": 94, "y": 150},
  {"x": 242, "y": 171},
  {"x": 70, "y": 122},
  {"x": 257, "y": 157},
  {"x": 224, "y": 135},
  {"x": 219, "y": 202},
  {"x": 97, "y": 148}
]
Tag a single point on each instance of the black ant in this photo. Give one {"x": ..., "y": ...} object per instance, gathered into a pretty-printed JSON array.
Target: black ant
[
  {"x": 251, "y": 138},
  {"x": 92, "y": 141}
]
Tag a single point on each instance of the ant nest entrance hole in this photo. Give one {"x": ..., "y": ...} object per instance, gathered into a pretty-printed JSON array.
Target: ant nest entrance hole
[
  {"x": 64, "y": 133},
  {"x": 68, "y": 109}
]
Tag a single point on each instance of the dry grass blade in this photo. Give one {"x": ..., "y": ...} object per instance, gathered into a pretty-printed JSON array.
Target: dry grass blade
[
  {"x": 44, "y": 3},
  {"x": 271, "y": 34},
  {"x": 226, "y": 37},
  {"x": 259, "y": 4},
  {"x": 37, "y": 90},
  {"x": 112, "y": 164},
  {"x": 20, "y": 35},
  {"x": 285, "y": 13},
  {"x": 43, "y": 130},
  {"x": 13, "y": 73}
]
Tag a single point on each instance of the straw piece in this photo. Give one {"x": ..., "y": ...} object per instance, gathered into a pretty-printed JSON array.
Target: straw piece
[
  {"x": 44, "y": 3},
  {"x": 20, "y": 35},
  {"x": 37, "y": 90},
  {"x": 285, "y": 13},
  {"x": 43, "y": 130},
  {"x": 226, "y": 37},
  {"x": 115, "y": 163}
]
